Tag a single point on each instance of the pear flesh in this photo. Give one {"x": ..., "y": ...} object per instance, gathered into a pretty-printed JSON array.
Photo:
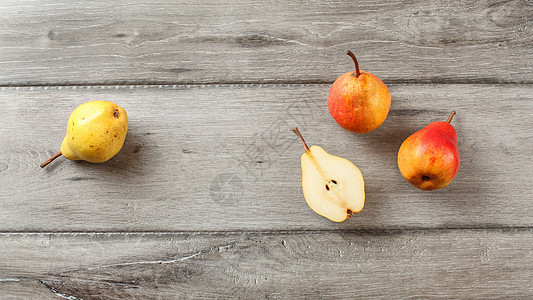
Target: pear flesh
[{"x": 333, "y": 187}]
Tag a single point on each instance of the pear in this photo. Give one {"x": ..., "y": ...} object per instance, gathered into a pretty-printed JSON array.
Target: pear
[
  {"x": 333, "y": 187},
  {"x": 359, "y": 101},
  {"x": 96, "y": 131},
  {"x": 429, "y": 158}
]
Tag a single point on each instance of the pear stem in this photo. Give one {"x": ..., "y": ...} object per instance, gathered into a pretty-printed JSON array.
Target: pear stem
[
  {"x": 357, "y": 72},
  {"x": 295, "y": 129},
  {"x": 451, "y": 116},
  {"x": 44, "y": 164}
]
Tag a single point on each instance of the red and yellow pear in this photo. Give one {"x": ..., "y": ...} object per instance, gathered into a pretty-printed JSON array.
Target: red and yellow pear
[
  {"x": 429, "y": 158},
  {"x": 358, "y": 100}
]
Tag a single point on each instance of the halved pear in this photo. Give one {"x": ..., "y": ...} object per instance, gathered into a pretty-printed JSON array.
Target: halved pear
[{"x": 333, "y": 186}]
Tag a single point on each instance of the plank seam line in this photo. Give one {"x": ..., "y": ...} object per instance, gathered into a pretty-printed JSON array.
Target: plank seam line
[
  {"x": 151, "y": 86},
  {"x": 238, "y": 84},
  {"x": 271, "y": 232}
]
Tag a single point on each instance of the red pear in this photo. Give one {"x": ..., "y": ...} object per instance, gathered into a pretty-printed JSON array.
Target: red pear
[
  {"x": 429, "y": 158},
  {"x": 359, "y": 101}
]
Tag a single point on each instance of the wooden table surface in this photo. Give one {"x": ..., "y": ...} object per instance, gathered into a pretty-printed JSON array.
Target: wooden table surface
[{"x": 205, "y": 198}]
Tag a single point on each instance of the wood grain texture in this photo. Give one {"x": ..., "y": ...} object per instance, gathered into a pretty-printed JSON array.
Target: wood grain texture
[
  {"x": 205, "y": 200},
  {"x": 107, "y": 42},
  {"x": 17, "y": 288},
  {"x": 425, "y": 264},
  {"x": 224, "y": 158}
]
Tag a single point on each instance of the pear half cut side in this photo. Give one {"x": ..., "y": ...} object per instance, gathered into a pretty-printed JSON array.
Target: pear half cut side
[{"x": 333, "y": 187}]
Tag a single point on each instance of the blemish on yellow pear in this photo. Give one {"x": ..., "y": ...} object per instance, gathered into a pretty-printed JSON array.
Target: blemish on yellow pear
[
  {"x": 333, "y": 187},
  {"x": 96, "y": 132}
]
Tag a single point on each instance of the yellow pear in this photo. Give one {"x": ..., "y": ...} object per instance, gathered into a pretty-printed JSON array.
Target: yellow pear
[
  {"x": 333, "y": 186},
  {"x": 96, "y": 131}
]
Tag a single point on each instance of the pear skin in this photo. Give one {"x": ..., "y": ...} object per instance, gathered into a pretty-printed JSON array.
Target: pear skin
[
  {"x": 333, "y": 187},
  {"x": 429, "y": 159},
  {"x": 96, "y": 132},
  {"x": 359, "y": 101}
]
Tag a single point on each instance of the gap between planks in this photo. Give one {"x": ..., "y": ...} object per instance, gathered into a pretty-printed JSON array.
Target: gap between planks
[
  {"x": 111, "y": 85},
  {"x": 377, "y": 232}
]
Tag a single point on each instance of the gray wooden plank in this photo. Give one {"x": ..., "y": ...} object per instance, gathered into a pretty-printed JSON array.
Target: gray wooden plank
[
  {"x": 17, "y": 288},
  {"x": 263, "y": 41},
  {"x": 183, "y": 140},
  {"x": 424, "y": 264}
]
